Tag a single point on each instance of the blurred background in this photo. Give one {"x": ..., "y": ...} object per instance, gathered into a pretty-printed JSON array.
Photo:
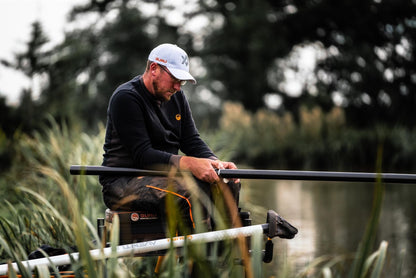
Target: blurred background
[{"x": 291, "y": 84}]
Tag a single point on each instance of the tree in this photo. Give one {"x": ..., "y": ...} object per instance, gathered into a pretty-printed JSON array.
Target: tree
[
  {"x": 33, "y": 62},
  {"x": 70, "y": 86},
  {"x": 371, "y": 49},
  {"x": 369, "y": 45},
  {"x": 367, "y": 50},
  {"x": 238, "y": 54}
]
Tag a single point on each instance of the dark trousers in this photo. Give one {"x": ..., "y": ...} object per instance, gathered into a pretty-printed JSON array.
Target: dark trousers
[{"x": 150, "y": 193}]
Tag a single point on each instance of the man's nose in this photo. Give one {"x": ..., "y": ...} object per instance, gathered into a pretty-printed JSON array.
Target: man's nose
[{"x": 177, "y": 86}]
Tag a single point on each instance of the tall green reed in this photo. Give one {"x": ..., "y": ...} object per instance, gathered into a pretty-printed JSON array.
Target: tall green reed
[
  {"x": 366, "y": 262},
  {"x": 51, "y": 207},
  {"x": 369, "y": 238},
  {"x": 57, "y": 146},
  {"x": 65, "y": 206}
]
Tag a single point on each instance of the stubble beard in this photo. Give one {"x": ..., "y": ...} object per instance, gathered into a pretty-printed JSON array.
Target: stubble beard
[{"x": 159, "y": 94}]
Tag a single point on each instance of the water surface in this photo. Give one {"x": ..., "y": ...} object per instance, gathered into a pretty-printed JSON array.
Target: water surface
[{"x": 331, "y": 218}]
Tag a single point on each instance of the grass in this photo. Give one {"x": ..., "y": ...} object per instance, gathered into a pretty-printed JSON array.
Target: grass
[
  {"x": 74, "y": 229},
  {"x": 50, "y": 226},
  {"x": 46, "y": 205}
]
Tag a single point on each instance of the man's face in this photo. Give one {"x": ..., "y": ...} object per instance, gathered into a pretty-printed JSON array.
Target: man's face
[{"x": 165, "y": 85}]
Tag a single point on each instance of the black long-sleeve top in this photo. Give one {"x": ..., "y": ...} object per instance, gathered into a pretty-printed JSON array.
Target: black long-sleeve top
[{"x": 141, "y": 132}]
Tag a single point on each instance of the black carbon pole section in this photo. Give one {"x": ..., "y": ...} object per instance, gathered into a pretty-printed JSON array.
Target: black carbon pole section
[
  {"x": 113, "y": 171},
  {"x": 317, "y": 175},
  {"x": 257, "y": 174}
]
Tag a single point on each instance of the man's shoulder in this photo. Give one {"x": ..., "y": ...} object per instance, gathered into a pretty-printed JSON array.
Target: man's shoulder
[
  {"x": 129, "y": 86},
  {"x": 128, "y": 89}
]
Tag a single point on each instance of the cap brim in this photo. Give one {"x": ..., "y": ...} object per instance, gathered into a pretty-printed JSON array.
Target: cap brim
[{"x": 182, "y": 75}]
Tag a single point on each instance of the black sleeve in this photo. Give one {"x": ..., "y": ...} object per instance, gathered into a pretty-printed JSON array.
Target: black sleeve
[{"x": 191, "y": 142}]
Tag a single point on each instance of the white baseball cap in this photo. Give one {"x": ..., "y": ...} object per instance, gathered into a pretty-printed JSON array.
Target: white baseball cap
[{"x": 174, "y": 59}]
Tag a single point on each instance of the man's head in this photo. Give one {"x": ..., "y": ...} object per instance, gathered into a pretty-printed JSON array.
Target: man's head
[
  {"x": 167, "y": 69},
  {"x": 174, "y": 59}
]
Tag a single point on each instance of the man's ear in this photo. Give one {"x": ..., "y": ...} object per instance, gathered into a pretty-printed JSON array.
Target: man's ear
[{"x": 153, "y": 68}]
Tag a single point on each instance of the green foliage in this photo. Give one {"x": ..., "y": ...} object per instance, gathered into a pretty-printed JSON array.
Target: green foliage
[
  {"x": 364, "y": 50},
  {"x": 365, "y": 263},
  {"x": 45, "y": 205},
  {"x": 361, "y": 265},
  {"x": 242, "y": 54},
  {"x": 339, "y": 266},
  {"x": 55, "y": 147}
]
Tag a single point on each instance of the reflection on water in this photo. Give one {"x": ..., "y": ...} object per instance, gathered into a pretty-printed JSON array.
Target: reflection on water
[{"x": 331, "y": 219}]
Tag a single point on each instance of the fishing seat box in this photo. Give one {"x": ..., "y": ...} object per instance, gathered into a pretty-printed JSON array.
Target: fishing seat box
[{"x": 137, "y": 226}]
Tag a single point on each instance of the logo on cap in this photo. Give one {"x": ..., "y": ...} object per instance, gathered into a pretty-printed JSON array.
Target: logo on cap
[
  {"x": 162, "y": 60},
  {"x": 185, "y": 60}
]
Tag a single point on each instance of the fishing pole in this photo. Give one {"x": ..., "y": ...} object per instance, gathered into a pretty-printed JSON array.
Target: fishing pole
[
  {"x": 258, "y": 174},
  {"x": 275, "y": 226}
]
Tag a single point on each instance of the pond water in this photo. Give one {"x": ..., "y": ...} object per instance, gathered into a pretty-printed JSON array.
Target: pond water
[{"x": 331, "y": 218}]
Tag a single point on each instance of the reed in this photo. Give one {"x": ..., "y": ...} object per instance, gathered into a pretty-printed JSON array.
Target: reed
[
  {"x": 45, "y": 205},
  {"x": 73, "y": 230},
  {"x": 48, "y": 206}
]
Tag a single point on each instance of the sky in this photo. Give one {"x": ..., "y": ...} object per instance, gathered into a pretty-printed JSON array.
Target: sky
[{"x": 16, "y": 17}]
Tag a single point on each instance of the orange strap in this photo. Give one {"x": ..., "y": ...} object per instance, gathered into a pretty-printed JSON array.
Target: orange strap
[{"x": 180, "y": 196}]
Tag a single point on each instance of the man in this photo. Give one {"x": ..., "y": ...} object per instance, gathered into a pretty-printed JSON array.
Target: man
[{"x": 148, "y": 121}]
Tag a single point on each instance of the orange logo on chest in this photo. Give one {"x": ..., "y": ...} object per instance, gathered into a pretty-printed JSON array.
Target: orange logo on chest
[{"x": 178, "y": 117}]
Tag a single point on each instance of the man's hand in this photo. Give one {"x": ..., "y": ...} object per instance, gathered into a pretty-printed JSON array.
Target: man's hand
[
  {"x": 228, "y": 165},
  {"x": 204, "y": 168}
]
